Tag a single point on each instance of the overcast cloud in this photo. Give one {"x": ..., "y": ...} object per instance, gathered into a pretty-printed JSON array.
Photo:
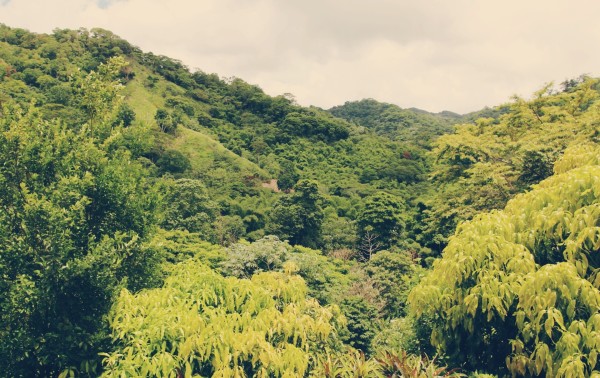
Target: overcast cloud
[{"x": 458, "y": 55}]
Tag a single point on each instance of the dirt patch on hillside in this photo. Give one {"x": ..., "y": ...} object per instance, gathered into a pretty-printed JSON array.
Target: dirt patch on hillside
[{"x": 271, "y": 184}]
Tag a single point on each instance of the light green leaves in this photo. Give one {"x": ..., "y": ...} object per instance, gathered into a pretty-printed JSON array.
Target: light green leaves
[
  {"x": 203, "y": 323},
  {"x": 529, "y": 274}
]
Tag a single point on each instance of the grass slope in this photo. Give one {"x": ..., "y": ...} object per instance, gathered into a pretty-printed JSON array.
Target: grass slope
[{"x": 202, "y": 150}]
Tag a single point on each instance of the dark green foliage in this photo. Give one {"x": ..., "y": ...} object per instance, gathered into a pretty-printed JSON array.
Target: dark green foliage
[
  {"x": 298, "y": 217},
  {"x": 401, "y": 334},
  {"x": 571, "y": 84},
  {"x": 380, "y": 222},
  {"x": 414, "y": 125},
  {"x": 151, "y": 81},
  {"x": 338, "y": 232},
  {"x": 406, "y": 167},
  {"x": 125, "y": 116},
  {"x": 536, "y": 167},
  {"x": 188, "y": 207},
  {"x": 73, "y": 218},
  {"x": 288, "y": 177},
  {"x": 167, "y": 121},
  {"x": 171, "y": 69},
  {"x": 182, "y": 104},
  {"x": 312, "y": 124},
  {"x": 394, "y": 274},
  {"x": 59, "y": 94},
  {"x": 362, "y": 326},
  {"x": 227, "y": 229},
  {"x": 30, "y": 76},
  {"x": 173, "y": 161}
]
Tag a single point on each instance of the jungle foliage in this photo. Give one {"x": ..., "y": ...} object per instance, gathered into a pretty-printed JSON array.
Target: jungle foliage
[{"x": 156, "y": 221}]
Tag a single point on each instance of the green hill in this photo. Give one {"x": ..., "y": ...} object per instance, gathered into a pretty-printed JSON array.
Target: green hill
[
  {"x": 156, "y": 221},
  {"x": 410, "y": 125}
]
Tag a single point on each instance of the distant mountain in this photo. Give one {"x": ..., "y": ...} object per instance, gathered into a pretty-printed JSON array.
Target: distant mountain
[{"x": 410, "y": 125}]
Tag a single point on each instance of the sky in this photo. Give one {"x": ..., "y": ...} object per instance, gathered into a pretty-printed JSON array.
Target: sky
[{"x": 457, "y": 55}]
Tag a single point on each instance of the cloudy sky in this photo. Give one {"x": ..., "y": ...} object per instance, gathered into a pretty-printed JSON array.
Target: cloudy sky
[{"x": 458, "y": 55}]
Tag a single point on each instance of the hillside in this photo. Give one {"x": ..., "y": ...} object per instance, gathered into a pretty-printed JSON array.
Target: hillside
[
  {"x": 228, "y": 134},
  {"x": 410, "y": 125},
  {"x": 413, "y": 125},
  {"x": 142, "y": 234},
  {"x": 198, "y": 145}
]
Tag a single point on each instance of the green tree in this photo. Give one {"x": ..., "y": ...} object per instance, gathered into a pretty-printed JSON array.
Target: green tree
[
  {"x": 338, "y": 232},
  {"x": 536, "y": 167},
  {"x": 298, "y": 217},
  {"x": 288, "y": 177},
  {"x": 125, "y": 115},
  {"x": 362, "y": 326},
  {"x": 97, "y": 93},
  {"x": 517, "y": 290},
  {"x": 73, "y": 218},
  {"x": 200, "y": 323},
  {"x": 227, "y": 229},
  {"x": 394, "y": 275},
  {"x": 167, "y": 121},
  {"x": 380, "y": 223},
  {"x": 173, "y": 161},
  {"x": 484, "y": 164},
  {"x": 188, "y": 207},
  {"x": 264, "y": 255}
]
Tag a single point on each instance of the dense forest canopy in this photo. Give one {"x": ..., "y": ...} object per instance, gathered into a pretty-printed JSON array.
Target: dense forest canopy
[{"x": 157, "y": 221}]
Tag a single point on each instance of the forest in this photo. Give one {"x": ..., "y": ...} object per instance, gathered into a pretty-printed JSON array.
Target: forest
[{"x": 157, "y": 221}]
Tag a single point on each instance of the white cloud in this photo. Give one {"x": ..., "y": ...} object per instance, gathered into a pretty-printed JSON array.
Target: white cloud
[{"x": 459, "y": 55}]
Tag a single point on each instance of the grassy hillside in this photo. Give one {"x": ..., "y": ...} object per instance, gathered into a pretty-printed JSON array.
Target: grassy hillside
[{"x": 201, "y": 148}]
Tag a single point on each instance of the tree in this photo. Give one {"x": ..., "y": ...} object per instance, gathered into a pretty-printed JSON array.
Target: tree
[
  {"x": 173, "y": 161},
  {"x": 188, "y": 207},
  {"x": 125, "y": 115},
  {"x": 380, "y": 222},
  {"x": 536, "y": 167},
  {"x": 362, "y": 327},
  {"x": 97, "y": 94},
  {"x": 337, "y": 232},
  {"x": 227, "y": 229},
  {"x": 259, "y": 147},
  {"x": 394, "y": 275},
  {"x": 167, "y": 121},
  {"x": 200, "y": 323},
  {"x": 298, "y": 217},
  {"x": 288, "y": 177},
  {"x": 482, "y": 165},
  {"x": 316, "y": 125},
  {"x": 73, "y": 220},
  {"x": 264, "y": 255},
  {"x": 519, "y": 288}
]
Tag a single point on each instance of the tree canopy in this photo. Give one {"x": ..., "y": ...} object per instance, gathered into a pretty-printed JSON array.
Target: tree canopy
[
  {"x": 518, "y": 289},
  {"x": 158, "y": 221}
]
